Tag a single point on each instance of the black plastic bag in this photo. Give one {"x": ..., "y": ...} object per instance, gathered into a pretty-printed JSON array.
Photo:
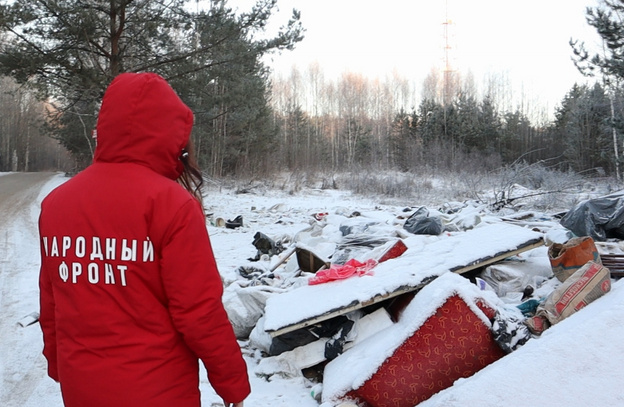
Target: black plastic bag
[
  {"x": 236, "y": 223},
  {"x": 509, "y": 331},
  {"x": 420, "y": 223},
  {"x": 600, "y": 218}
]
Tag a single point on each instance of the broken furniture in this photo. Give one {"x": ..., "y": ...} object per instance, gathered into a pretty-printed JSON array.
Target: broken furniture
[
  {"x": 443, "y": 335},
  {"x": 310, "y": 262}
]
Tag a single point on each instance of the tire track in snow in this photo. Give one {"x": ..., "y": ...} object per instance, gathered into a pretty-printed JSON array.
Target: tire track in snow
[{"x": 21, "y": 365}]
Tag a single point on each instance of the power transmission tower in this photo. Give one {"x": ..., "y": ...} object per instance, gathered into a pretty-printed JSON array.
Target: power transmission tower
[
  {"x": 449, "y": 73},
  {"x": 448, "y": 88}
]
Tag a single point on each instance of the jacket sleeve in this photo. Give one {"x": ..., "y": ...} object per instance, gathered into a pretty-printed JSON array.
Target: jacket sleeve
[
  {"x": 47, "y": 319},
  {"x": 194, "y": 289}
]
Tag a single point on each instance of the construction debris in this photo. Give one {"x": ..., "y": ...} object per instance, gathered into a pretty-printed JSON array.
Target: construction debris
[
  {"x": 383, "y": 317},
  {"x": 410, "y": 272}
]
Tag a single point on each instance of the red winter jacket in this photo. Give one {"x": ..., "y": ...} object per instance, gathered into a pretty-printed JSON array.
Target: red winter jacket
[{"x": 130, "y": 292}]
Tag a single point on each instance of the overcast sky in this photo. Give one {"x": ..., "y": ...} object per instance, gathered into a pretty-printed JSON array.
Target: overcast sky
[{"x": 524, "y": 41}]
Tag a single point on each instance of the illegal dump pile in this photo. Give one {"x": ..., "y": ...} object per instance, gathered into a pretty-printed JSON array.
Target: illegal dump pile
[{"x": 388, "y": 311}]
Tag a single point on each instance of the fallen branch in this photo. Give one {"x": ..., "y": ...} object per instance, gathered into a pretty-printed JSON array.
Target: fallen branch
[{"x": 503, "y": 202}]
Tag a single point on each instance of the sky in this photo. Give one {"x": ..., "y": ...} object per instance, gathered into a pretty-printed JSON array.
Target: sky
[{"x": 527, "y": 42}]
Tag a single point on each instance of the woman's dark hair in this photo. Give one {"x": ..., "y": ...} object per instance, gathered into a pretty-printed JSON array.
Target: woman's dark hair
[{"x": 191, "y": 178}]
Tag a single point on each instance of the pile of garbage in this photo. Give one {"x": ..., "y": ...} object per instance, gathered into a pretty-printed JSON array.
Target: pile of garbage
[{"x": 388, "y": 313}]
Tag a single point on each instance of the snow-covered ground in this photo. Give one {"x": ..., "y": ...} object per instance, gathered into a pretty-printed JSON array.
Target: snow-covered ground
[{"x": 577, "y": 362}]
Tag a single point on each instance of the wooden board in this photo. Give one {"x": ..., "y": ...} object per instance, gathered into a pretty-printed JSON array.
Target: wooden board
[
  {"x": 293, "y": 301},
  {"x": 496, "y": 258}
]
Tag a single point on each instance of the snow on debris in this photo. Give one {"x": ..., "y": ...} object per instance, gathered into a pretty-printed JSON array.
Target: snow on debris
[
  {"x": 354, "y": 367},
  {"x": 425, "y": 257},
  {"x": 576, "y": 362}
]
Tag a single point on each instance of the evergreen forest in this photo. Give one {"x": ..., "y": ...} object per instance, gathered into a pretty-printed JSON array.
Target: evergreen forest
[{"x": 58, "y": 56}]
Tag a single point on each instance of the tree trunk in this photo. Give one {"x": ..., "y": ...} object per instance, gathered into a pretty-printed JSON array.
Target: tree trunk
[{"x": 615, "y": 143}]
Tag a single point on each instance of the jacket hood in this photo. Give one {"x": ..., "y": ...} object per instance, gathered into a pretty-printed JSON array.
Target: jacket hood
[{"x": 142, "y": 120}]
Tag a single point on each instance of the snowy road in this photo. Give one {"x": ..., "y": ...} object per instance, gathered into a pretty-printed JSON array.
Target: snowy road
[
  {"x": 18, "y": 191},
  {"x": 22, "y": 368}
]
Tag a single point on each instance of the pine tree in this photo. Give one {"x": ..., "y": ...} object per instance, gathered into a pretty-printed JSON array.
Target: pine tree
[
  {"x": 582, "y": 129},
  {"x": 68, "y": 51},
  {"x": 609, "y": 61}
]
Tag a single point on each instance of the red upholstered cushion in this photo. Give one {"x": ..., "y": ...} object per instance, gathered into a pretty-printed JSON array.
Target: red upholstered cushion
[{"x": 451, "y": 344}]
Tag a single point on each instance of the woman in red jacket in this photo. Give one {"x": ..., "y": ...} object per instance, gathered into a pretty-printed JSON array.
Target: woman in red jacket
[{"x": 130, "y": 292}]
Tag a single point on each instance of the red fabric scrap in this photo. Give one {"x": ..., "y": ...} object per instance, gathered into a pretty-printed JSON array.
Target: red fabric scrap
[{"x": 342, "y": 271}]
